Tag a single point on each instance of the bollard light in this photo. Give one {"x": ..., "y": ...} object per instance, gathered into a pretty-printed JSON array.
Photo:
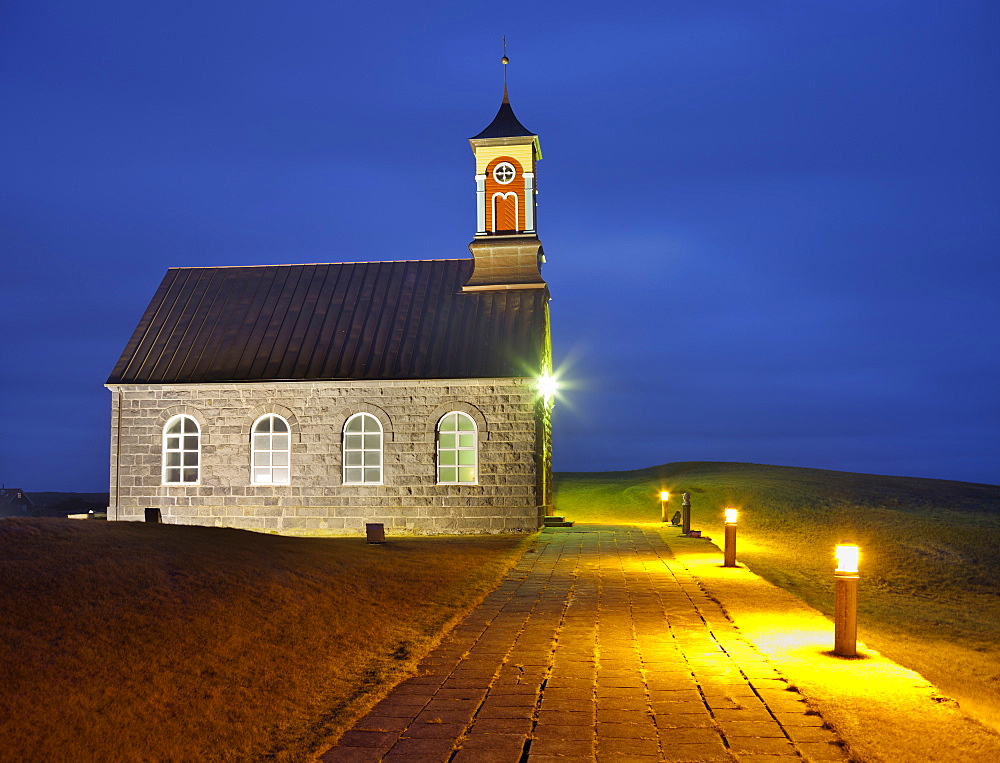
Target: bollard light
[
  {"x": 664, "y": 497},
  {"x": 685, "y": 513},
  {"x": 845, "y": 617},
  {"x": 730, "y": 553}
]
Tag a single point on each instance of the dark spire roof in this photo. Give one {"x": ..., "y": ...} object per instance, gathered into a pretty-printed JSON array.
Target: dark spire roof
[{"x": 505, "y": 124}]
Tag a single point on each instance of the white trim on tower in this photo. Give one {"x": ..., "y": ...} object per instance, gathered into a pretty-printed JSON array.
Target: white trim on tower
[
  {"x": 529, "y": 201},
  {"x": 516, "y": 211},
  {"x": 481, "y": 203}
]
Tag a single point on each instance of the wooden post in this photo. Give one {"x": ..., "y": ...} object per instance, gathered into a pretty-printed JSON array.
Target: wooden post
[
  {"x": 730, "y": 554},
  {"x": 845, "y": 620}
]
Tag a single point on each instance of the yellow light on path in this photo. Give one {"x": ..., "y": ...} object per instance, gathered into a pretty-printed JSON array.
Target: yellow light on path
[
  {"x": 731, "y": 516},
  {"x": 664, "y": 495},
  {"x": 847, "y": 558}
]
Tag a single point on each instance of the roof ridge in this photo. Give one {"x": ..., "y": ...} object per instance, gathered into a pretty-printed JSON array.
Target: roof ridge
[{"x": 303, "y": 264}]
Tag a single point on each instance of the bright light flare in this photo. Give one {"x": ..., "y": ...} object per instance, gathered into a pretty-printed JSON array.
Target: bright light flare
[
  {"x": 664, "y": 495},
  {"x": 847, "y": 558},
  {"x": 731, "y": 516},
  {"x": 547, "y": 386}
]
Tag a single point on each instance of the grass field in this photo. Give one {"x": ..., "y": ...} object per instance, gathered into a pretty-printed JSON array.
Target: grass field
[
  {"x": 930, "y": 574},
  {"x": 127, "y": 641}
]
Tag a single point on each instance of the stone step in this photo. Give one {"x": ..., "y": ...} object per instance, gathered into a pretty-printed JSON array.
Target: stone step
[{"x": 556, "y": 522}]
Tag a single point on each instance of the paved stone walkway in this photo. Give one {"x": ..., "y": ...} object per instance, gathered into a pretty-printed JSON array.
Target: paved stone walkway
[{"x": 598, "y": 645}]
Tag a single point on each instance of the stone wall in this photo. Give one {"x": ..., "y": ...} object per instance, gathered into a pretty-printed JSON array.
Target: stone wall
[{"x": 509, "y": 496}]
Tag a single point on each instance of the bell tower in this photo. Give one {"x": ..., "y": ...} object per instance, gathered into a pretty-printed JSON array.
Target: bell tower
[{"x": 506, "y": 249}]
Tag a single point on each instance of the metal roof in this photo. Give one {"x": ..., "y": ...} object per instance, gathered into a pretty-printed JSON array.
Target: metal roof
[
  {"x": 366, "y": 320},
  {"x": 504, "y": 124}
]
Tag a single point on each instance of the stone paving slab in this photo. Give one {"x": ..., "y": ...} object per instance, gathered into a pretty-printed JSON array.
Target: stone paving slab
[{"x": 598, "y": 645}]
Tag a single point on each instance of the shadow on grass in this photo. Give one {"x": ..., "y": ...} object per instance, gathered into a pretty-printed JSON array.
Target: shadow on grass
[{"x": 128, "y": 641}]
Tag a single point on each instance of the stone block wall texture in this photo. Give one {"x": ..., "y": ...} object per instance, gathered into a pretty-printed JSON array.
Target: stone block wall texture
[{"x": 510, "y": 495}]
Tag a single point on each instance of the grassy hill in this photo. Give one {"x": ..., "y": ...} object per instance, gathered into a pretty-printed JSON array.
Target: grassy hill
[
  {"x": 47, "y": 499},
  {"x": 930, "y": 574},
  {"x": 134, "y": 641},
  {"x": 121, "y": 641},
  {"x": 62, "y": 504}
]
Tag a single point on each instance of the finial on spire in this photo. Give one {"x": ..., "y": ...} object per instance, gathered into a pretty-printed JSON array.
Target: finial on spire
[{"x": 504, "y": 60}]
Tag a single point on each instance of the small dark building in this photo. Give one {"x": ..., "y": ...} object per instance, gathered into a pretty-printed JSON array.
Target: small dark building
[{"x": 14, "y": 502}]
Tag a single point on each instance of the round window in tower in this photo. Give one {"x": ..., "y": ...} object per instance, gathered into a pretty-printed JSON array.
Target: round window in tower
[{"x": 504, "y": 172}]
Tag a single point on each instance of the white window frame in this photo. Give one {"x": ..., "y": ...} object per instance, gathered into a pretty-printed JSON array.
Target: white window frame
[
  {"x": 364, "y": 450},
  {"x": 181, "y": 449},
  {"x": 457, "y": 449},
  {"x": 282, "y": 454},
  {"x": 508, "y": 166}
]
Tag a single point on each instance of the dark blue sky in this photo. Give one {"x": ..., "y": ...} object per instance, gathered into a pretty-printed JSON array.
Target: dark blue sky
[{"x": 771, "y": 227}]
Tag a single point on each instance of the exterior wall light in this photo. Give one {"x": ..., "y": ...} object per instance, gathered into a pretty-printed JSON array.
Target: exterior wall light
[
  {"x": 845, "y": 618},
  {"x": 547, "y": 386},
  {"x": 730, "y": 553},
  {"x": 664, "y": 497}
]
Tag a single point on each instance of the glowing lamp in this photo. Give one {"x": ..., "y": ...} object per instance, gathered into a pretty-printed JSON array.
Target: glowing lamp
[
  {"x": 547, "y": 386},
  {"x": 664, "y": 495},
  {"x": 731, "y": 516},
  {"x": 847, "y": 558}
]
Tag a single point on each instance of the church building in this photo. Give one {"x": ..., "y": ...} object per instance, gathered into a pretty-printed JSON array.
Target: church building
[{"x": 317, "y": 398}]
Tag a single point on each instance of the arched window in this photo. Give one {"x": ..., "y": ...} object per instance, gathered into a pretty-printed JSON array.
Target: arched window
[
  {"x": 505, "y": 217},
  {"x": 271, "y": 448},
  {"x": 457, "y": 450},
  {"x": 181, "y": 451},
  {"x": 362, "y": 450}
]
